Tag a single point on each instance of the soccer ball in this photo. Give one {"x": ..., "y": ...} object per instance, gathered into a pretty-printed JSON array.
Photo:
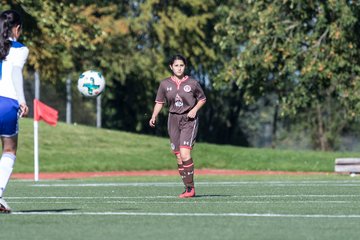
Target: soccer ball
[{"x": 91, "y": 83}]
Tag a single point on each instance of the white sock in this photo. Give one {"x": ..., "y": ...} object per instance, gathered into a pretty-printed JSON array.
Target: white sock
[{"x": 6, "y": 167}]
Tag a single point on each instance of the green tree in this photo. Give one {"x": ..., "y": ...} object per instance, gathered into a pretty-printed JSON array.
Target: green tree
[
  {"x": 307, "y": 53},
  {"x": 66, "y": 38},
  {"x": 130, "y": 42},
  {"x": 157, "y": 30}
]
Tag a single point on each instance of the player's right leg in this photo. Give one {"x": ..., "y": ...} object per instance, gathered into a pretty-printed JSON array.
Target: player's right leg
[
  {"x": 7, "y": 162},
  {"x": 4, "y": 207},
  {"x": 8, "y": 133}
]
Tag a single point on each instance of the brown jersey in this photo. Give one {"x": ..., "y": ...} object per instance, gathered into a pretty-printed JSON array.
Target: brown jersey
[{"x": 180, "y": 95}]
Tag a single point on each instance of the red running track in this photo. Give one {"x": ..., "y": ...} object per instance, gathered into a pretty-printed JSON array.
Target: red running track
[{"x": 74, "y": 175}]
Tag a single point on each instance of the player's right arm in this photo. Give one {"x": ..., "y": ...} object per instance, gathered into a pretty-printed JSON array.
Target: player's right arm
[
  {"x": 157, "y": 108},
  {"x": 159, "y": 103}
]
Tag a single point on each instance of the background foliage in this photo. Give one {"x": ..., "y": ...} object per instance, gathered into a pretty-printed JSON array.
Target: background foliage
[{"x": 275, "y": 72}]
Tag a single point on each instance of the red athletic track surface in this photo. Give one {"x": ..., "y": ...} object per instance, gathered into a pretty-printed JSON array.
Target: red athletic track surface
[{"x": 72, "y": 175}]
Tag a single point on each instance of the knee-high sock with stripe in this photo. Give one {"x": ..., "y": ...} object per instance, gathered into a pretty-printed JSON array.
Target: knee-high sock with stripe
[
  {"x": 182, "y": 172},
  {"x": 6, "y": 167},
  {"x": 189, "y": 172}
]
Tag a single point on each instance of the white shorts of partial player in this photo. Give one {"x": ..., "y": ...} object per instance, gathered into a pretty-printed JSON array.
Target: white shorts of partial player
[{"x": 347, "y": 165}]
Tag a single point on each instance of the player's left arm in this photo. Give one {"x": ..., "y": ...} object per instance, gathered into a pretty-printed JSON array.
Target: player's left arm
[
  {"x": 19, "y": 88},
  {"x": 194, "y": 110},
  {"x": 201, "y": 99},
  {"x": 18, "y": 80}
]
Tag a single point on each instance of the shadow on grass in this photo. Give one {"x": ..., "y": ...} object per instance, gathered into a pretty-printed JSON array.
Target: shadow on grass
[
  {"x": 212, "y": 196},
  {"x": 66, "y": 210},
  {"x": 49, "y": 210},
  {"x": 128, "y": 209}
]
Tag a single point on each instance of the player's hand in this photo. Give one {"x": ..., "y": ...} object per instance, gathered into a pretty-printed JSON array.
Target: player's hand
[
  {"x": 24, "y": 110},
  {"x": 192, "y": 113},
  {"x": 152, "y": 122}
]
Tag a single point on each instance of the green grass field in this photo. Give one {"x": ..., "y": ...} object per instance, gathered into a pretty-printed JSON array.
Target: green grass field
[
  {"x": 74, "y": 148},
  {"x": 241, "y": 207},
  {"x": 232, "y": 207}
]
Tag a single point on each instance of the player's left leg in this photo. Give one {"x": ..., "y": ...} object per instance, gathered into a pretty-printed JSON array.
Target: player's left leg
[
  {"x": 188, "y": 166},
  {"x": 187, "y": 140},
  {"x": 7, "y": 162}
]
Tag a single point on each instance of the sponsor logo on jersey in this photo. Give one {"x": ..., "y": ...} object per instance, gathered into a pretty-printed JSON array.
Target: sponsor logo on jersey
[
  {"x": 187, "y": 88},
  {"x": 178, "y": 101}
]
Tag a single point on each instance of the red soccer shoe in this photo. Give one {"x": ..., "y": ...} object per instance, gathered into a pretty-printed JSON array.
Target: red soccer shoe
[{"x": 189, "y": 193}]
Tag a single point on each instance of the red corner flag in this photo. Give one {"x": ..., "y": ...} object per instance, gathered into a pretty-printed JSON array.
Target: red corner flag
[{"x": 45, "y": 113}]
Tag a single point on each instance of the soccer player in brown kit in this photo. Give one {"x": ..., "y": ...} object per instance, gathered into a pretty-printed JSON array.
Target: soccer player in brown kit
[{"x": 185, "y": 97}]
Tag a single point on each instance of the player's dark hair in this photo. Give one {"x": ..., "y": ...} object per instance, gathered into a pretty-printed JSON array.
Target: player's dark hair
[
  {"x": 177, "y": 57},
  {"x": 8, "y": 20}
]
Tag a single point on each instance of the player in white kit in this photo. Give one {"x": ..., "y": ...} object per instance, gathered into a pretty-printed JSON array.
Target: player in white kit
[{"x": 13, "y": 56}]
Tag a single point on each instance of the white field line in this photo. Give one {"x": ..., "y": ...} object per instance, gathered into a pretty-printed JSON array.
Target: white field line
[
  {"x": 198, "y": 198},
  {"x": 181, "y": 202},
  {"x": 264, "y": 215},
  {"x": 172, "y": 184},
  {"x": 53, "y": 197}
]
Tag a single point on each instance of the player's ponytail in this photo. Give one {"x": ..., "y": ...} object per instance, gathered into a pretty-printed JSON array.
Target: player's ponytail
[{"x": 8, "y": 20}]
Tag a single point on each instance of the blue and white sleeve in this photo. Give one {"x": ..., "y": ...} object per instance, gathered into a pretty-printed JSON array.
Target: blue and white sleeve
[{"x": 17, "y": 76}]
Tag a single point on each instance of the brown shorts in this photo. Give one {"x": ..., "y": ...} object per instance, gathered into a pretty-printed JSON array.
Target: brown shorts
[{"x": 182, "y": 131}]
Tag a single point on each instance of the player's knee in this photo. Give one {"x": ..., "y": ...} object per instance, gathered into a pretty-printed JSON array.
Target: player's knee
[
  {"x": 10, "y": 145},
  {"x": 185, "y": 157},
  {"x": 9, "y": 150},
  {"x": 178, "y": 159}
]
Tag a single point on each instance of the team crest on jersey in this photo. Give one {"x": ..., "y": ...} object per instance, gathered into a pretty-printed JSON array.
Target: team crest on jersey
[
  {"x": 187, "y": 88},
  {"x": 178, "y": 101}
]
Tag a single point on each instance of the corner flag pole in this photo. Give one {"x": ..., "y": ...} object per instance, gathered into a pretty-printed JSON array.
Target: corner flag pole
[
  {"x": 36, "y": 151},
  {"x": 36, "y": 129}
]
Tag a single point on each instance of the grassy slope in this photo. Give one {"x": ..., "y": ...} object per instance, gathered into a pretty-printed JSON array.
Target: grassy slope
[{"x": 82, "y": 148}]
